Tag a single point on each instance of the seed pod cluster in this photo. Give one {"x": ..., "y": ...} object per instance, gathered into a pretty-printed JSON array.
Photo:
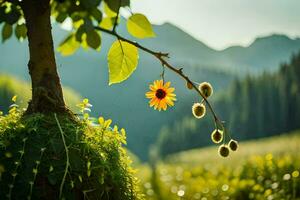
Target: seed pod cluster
[
  {"x": 199, "y": 111},
  {"x": 217, "y": 136}
]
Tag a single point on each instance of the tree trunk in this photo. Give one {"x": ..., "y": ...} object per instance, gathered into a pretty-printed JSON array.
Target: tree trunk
[{"x": 47, "y": 93}]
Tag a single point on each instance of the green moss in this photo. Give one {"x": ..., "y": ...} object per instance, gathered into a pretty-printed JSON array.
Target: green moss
[{"x": 54, "y": 157}]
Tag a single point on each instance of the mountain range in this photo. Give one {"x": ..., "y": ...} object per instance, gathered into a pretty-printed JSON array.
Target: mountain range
[{"x": 86, "y": 72}]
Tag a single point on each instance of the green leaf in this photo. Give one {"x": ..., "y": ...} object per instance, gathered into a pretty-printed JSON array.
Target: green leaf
[
  {"x": 108, "y": 23},
  {"x": 122, "y": 61},
  {"x": 68, "y": 46},
  {"x": 114, "y": 5},
  {"x": 93, "y": 39},
  {"x": 96, "y": 14},
  {"x": 61, "y": 17},
  {"x": 6, "y": 31},
  {"x": 89, "y": 4},
  {"x": 109, "y": 13},
  {"x": 80, "y": 31},
  {"x": 139, "y": 26},
  {"x": 21, "y": 31}
]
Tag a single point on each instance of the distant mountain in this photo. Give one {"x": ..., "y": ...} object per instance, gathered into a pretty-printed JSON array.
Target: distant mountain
[
  {"x": 264, "y": 54},
  {"x": 125, "y": 103}
]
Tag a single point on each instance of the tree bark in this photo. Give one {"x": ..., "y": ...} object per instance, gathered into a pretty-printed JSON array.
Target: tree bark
[{"x": 47, "y": 93}]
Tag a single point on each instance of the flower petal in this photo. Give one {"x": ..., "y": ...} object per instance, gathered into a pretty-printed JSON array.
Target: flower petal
[
  {"x": 156, "y": 105},
  {"x": 160, "y": 84},
  {"x": 150, "y": 94},
  {"x": 152, "y": 102},
  {"x": 167, "y": 84},
  {"x": 169, "y": 102},
  {"x": 164, "y": 105},
  {"x": 170, "y": 90}
]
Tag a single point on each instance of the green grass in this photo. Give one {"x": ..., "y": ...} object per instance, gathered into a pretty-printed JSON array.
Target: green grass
[
  {"x": 278, "y": 145},
  {"x": 260, "y": 169}
]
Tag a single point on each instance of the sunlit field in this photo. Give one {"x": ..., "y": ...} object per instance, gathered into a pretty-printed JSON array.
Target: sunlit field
[{"x": 261, "y": 169}]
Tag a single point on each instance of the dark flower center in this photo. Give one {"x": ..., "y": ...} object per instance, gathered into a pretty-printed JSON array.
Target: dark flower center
[{"x": 160, "y": 94}]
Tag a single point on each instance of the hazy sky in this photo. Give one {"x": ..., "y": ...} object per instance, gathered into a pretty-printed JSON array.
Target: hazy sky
[{"x": 221, "y": 23}]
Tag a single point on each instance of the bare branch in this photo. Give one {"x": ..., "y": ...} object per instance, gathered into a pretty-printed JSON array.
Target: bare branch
[{"x": 162, "y": 58}]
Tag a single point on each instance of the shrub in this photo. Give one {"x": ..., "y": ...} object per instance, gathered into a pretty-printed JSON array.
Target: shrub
[{"x": 55, "y": 157}]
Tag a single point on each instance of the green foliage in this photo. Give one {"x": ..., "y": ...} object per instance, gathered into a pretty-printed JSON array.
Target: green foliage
[
  {"x": 55, "y": 157},
  {"x": 139, "y": 26},
  {"x": 255, "y": 107},
  {"x": 93, "y": 39},
  {"x": 68, "y": 46},
  {"x": 85, "y": 17},
  {"x": 114, "y": 5},
  {"x": 7, "y": 31},
  {"x": 21, "y": 31},
  {"x": 10, "y": 86},
  {"x": 10, "y": 14},
  {"x": 252, "y": 173},
  {"x": 84, "y": 14},
  {"x": 122, "y": 61}
]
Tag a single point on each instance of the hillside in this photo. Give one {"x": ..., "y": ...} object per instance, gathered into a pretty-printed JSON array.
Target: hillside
[
  {"x": 87, "y": 73},
  {"x": 276, "y": 145}
]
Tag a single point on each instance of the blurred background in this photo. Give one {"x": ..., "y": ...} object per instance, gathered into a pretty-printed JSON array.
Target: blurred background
[{"x": 248, "y": 50}]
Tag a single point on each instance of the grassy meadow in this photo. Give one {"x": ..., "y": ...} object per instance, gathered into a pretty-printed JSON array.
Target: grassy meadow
[{"x": 260, "y": 169}]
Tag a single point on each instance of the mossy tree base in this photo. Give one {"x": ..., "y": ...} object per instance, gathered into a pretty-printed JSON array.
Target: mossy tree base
[
  {"x": 44, "y": 103},
  {"x": 53, "y": 157}
]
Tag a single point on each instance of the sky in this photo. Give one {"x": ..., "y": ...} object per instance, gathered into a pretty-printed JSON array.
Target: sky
[{"x": 223, "y": 23}]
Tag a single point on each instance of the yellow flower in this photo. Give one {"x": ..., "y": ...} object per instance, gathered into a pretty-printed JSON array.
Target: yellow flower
[
  {"x": 14, "y": 99},
  {"x": 161, "y": 95}
]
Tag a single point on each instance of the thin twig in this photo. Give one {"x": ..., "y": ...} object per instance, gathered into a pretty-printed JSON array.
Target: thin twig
[{"x": 162, "y": 58}]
